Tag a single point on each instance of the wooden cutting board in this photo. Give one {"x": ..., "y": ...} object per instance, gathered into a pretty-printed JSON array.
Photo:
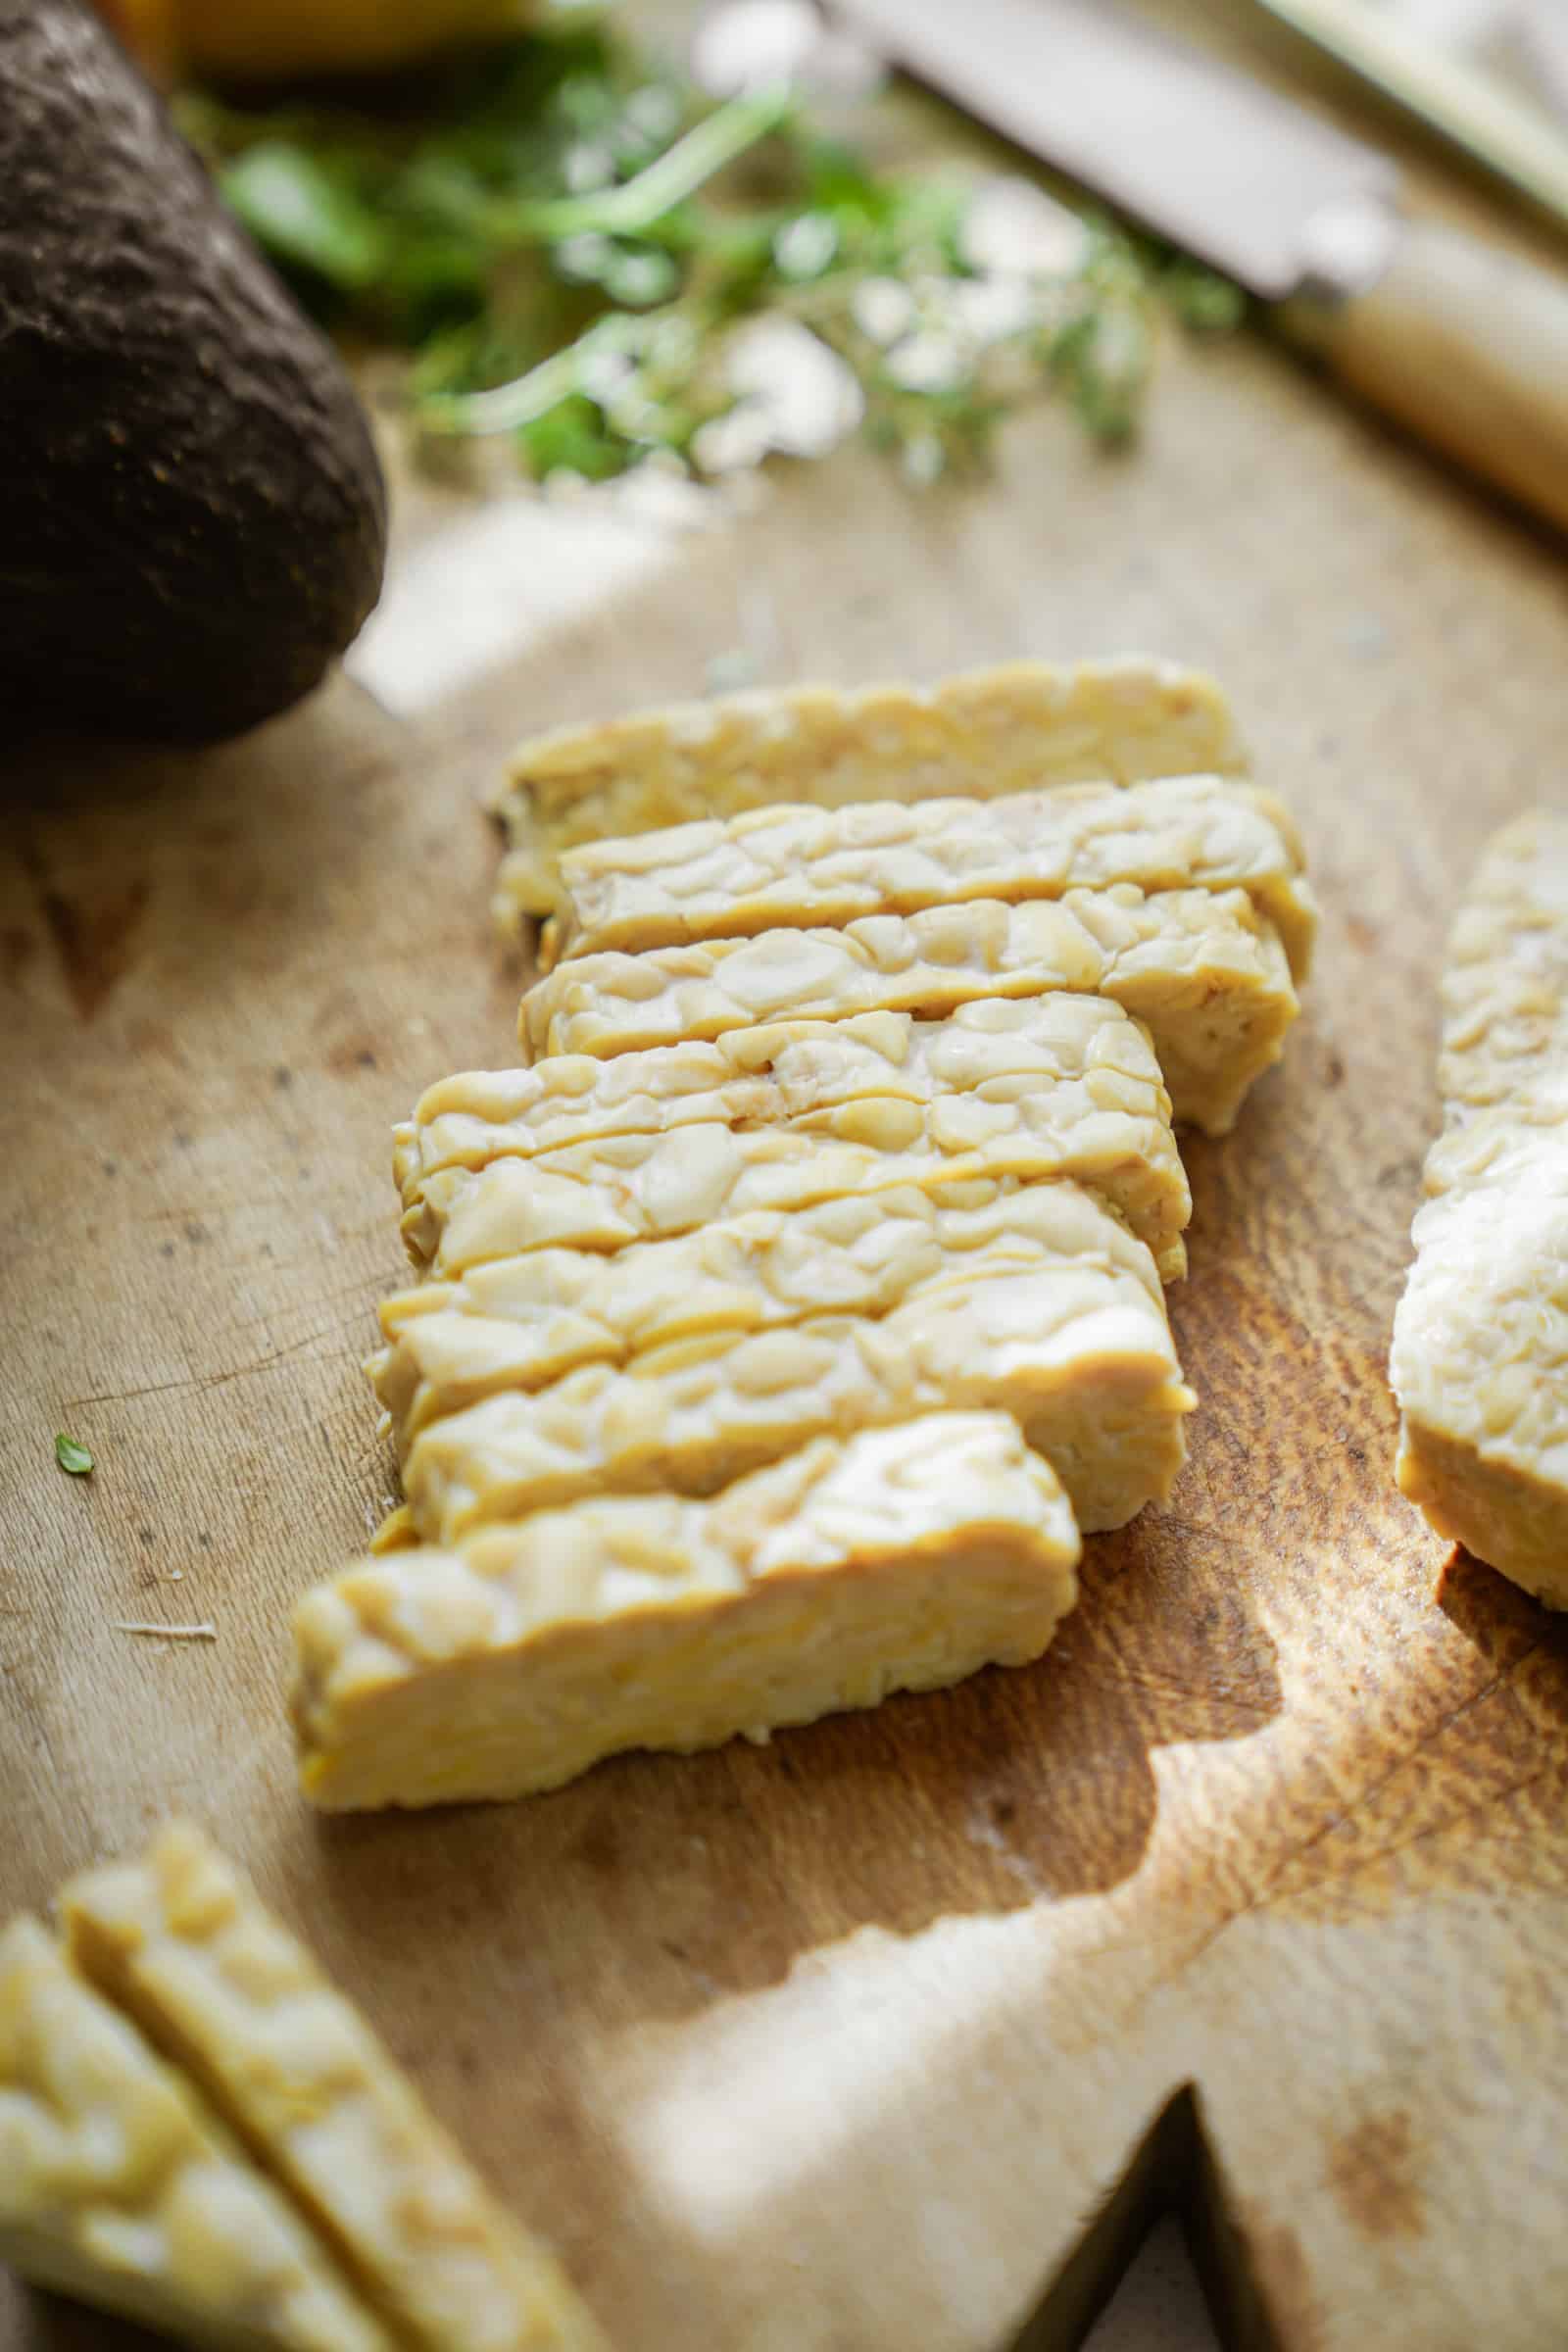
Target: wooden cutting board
[{"x": 1255, "y": 1892}]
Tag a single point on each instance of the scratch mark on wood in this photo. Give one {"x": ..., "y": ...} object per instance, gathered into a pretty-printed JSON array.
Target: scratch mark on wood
[
  {"x": 1272, "y": 1889},
  {"x": 204, "y": 1632},
  {"x": 203, "y": 1381}
]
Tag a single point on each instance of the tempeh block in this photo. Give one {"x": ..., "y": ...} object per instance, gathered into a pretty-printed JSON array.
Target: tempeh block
[
  {"x": 1075, "y": 1346},
  {"x": 1058, "y": 1085},
  {"x": 118, "y": 2185},
  {"x": 1480, "y": 1356},
  {"x": 801, "y": 868},
  {"x": 1204, "y": 972},
  {"x": 1506, "y": 980},
  {"x": 523, "y": 1322},
  {"x": 983, "y": 734},
  {"x": 902, "y": 1560},
  {"x": 179, "y": 1940}
]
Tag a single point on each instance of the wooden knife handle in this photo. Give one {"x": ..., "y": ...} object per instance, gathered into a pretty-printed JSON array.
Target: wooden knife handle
[{"x": 1467, "y": 346}]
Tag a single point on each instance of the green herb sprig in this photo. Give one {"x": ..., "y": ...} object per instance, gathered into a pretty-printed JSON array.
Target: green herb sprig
[{"x": 571, "y": 240}]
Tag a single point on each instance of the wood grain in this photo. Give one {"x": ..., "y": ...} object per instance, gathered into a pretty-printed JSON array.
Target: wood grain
[{"x": 839, "y": 2045}]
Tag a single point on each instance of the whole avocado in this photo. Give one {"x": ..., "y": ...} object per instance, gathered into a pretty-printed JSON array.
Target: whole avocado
[{"x": 192, "y": 517}]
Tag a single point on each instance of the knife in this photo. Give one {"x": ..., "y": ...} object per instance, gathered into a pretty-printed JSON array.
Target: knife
[{"x": 1457, "y": 340}]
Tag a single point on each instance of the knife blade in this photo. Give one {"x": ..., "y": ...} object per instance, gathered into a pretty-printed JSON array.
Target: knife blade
[
  {"x": 1458, "y": 340},
  {"x": 1214, "y": 162}
]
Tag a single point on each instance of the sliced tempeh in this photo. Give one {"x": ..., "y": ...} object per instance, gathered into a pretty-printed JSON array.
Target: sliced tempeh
[
  {"x": 178, "y": 1940},
  {"x": 799, "y": 868},
  {"x": 1505, "y": 982},
  {"x": 635, "y": 1188},
  {"x": 1074, "y": 1342},
  {"x": 119, "y": 2185},
  {"x": 1480, "y": 1356},
  {"x": 904, "y": 1559},
  {"x": 1202, "y": 970},
  {"x": 1039, "y": 1069},
  {"x": 984, "y": 733},
  {"x": 522, "y": 1322}
]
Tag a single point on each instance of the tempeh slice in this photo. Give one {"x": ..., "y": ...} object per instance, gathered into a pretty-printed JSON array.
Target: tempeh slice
[
  {"x": 1074, "y": 1346},
  {"x": 118, "y": 2185},
  {"x": 522, "y": 1322},
  {"x": 179, "y": 1940},
  {"x": 1201, "y": 968},
  {"x": 984, "y": 733},
  {"x": 1480, "y": 1356},
  {"x": 900, "y": 1560},
  {"x": 803, "y": 867},
  {"x": 1505, "y": 982},
  {"x": 635, "y": 1188},
  {"x": 1040, "y": 1069}
]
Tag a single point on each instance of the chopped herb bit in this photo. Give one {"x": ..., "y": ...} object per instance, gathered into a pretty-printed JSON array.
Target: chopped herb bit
[{"x": 72, "y": 1455}]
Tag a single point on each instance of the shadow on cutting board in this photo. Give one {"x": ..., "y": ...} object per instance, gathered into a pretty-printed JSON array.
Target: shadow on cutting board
[
  {"x": 726, "y": 1868},
  {"x": 40, "y": 2323},
  {"x": 1524, "y": 1642}
]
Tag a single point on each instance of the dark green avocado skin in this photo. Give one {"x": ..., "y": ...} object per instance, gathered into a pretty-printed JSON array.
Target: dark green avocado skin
[{"x": 192, "y": 518}]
